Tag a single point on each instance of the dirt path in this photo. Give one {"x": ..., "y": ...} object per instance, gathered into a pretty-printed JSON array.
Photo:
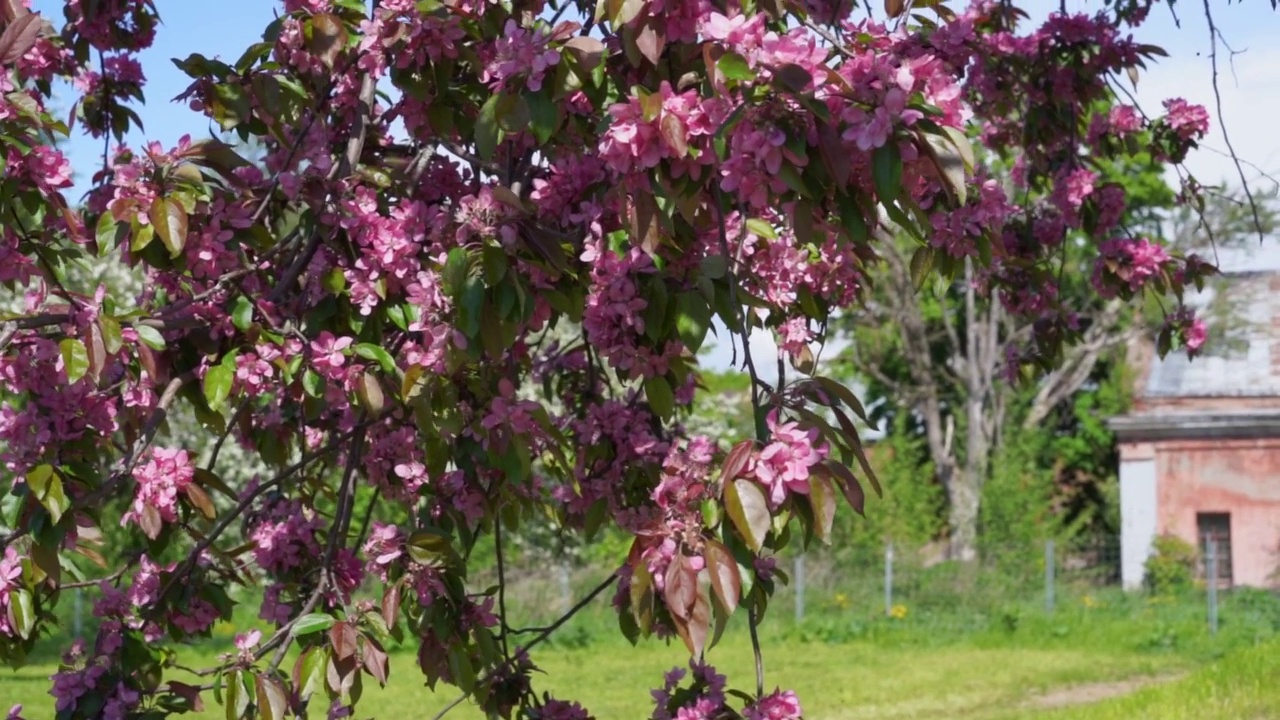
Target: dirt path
[{"x": 1095, "y": 692}]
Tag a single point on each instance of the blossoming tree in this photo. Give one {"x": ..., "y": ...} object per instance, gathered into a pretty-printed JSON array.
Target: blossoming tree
[{"x": 444, "y": 183}]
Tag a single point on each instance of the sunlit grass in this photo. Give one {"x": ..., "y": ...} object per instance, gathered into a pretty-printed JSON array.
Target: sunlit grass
[{"x": 853, "y": 665}]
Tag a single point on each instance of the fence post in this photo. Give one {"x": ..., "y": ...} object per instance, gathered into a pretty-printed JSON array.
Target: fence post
[
  {"x": 566, "y": 590},
  {"x": 888, "y": 580},
  {"x": 799, "y": 573},
  {"x": 1211, "y": 580},
  {"x": 1049, "y": 561}
]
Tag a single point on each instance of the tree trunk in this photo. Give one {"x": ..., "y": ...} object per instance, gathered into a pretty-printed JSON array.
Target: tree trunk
[{"x": 964, "y": 494}]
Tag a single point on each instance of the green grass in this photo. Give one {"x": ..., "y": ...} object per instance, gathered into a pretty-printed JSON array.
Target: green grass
[
  {"x": 1243, "y": 686},
  {"x": 851, "y": 681},
  {"x": 967, "y": 664}
]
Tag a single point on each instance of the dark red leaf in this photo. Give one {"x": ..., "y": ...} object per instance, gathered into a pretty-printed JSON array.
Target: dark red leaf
[
  {"x": 273, "y": 702},
  {"x": 792, "y": 77},
  {"x": 675, "y": 133},
  {"x": 822, "y": 497},
  {"x": 190, "y": 693},
  {"x": 342, "y": 636},
  {"x": 391, "y": 604},
  {"x": 747, "y": 508},
  {"x": 736, "y": 461},
  {"x": 849, "y": 484},
  {"x": 651, "y": 42},
  {"x": 694, "y": 630},
  {"x": 833, "y": 155},
  {"x": 855, "y": 444},
  {"x": 328, "y": 37},
  {"x": 149, "y": 521},
  {"x": 726, "y": 580},
  {"x": 681, "y": 587},
  {"x": 341, "y": 673},
  {"x": 200, "y": 500},
  {"x": 20, "y": 36},
  {"x": 588, "y": 51},
  {"x": 376, "y": 663}
]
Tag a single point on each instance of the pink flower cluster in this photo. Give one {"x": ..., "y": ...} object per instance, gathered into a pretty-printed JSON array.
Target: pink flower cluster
[
  {"x": 780, "y": 705},
  {"x": 519, "y": 55},
  {"x": 10, "y": 580},
  {"x": 783, "y": 465},
  {"x": 560, "y": 710},
  {"x": 1128, "y": 264},
  {"x": 161, "y": 478},
  {"x": 704, "y": 699},
  {"x": 1189, "y": 329},
  {"x": 285, "y": 537},
  {"x": 43, "y": 415},
  {"x": 1190, "y": 122}
]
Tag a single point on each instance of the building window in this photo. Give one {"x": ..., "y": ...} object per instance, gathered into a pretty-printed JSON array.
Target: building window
[{"x": 1215, "y": 529}]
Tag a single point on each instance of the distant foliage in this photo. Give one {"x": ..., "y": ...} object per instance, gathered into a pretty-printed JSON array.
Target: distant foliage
[{"x": 1172, "y": 565}]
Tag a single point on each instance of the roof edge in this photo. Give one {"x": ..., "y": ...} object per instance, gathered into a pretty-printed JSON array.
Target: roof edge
[{"x": 1200, "y": 426}]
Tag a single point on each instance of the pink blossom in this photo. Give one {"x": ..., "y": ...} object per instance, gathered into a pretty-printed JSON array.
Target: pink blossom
[
  {"x": 160, "y": 479},
  {"x": 519, "y": 53},
  {"x": 781, "y": 705},
  {"x": 1190, "y": 122},
  {"x": 327, "y": 351},
  {"x": 783, "y": 465}
]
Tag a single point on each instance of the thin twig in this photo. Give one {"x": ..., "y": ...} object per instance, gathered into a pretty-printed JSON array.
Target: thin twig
[
  {"x": 752, "y": 622},
  {"x": 546, "y": 632},
  {"x": 502, "y": 586},
  {"x": 1222, "y": 121}
]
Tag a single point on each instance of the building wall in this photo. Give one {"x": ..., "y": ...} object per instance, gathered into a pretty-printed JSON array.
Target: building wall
[
  {"x": 1137, "y": 514},
  {"x": 1240, "y": 477}
]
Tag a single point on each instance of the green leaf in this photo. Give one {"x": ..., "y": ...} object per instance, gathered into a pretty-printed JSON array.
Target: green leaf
[
  {"x": 142, "y": 238},
  {"x": 660, "y": 396},
  {"x": 309, "y": 670},
  {"x": 149, "y": 336},
  {"x": 369, "y": 351},
  {"x": 242, "y": 313},
  {"x": 745, "y": 503},
  {"x": 471, "y": 308},
  {"x": 45, "y": 485},
  {"x": 312, "y": 383},
  {"x": 921, "y": 264},
  {"x": 487, "y": 131},
  {"x": 170, "y": 221},
  {"x": 75, "y": 358},
  {"x": 456, "y": 267},
  {"x": 693, "y": 319},
  {"x": 312, "y": 623},
  {"x": 735, "y": 67},
  {"x": 544, "y": 115},
  {"x": 886, "y": 171},
  {"x": 22, "y": 612},
  {"x": 761, "y": 228},
  {"x": 217, "y": 385},
  {"x": 112, "y": 340},
  {"x": 106, "y": 231}
]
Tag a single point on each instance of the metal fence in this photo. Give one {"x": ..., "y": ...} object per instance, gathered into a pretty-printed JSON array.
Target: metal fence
[{"x": 862, "y": 581}]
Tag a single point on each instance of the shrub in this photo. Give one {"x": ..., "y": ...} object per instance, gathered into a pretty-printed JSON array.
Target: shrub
[{"x": 1172, "y": 565}]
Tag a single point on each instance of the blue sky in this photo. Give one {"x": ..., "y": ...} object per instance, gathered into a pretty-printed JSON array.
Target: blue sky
[{"x": 1251, "y": 99}]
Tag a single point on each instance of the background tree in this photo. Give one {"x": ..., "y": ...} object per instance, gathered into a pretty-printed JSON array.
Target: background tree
[{"x": 938, "y": 358}]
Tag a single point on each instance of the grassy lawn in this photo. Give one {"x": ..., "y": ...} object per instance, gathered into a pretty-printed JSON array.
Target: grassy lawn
[
  {"x": 849, "y": 681},
  {"x": 1004, "y": 665},
  {"x": 1242, "y": 686}
]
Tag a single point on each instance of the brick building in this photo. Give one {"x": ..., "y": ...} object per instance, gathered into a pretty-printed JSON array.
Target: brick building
[{"x": 1200, "y": 449}]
